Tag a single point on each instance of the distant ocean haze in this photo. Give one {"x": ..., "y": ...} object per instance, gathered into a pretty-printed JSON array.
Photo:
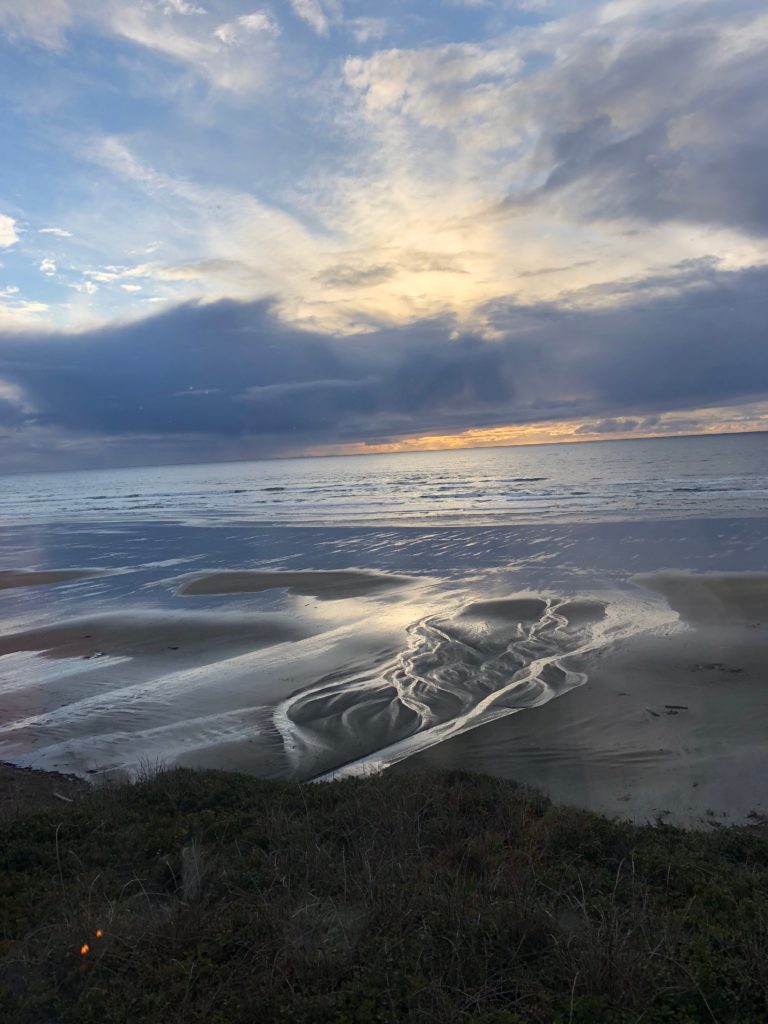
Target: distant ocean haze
[{"x": 586, "y": 617}]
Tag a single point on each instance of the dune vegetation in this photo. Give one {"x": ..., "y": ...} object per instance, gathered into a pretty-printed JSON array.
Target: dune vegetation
[{"x": 222, "y": 898}]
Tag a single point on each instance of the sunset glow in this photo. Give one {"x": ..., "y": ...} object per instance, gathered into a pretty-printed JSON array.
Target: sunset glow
[{"x": 319, "y": 226}]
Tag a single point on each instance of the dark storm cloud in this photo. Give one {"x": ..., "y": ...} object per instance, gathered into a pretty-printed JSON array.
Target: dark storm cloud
[
  {"x": 229, "y": 371},
  {"x": 10, "y": 414},
  {"x": 612, "y": 425},
  {"x": 665, "y": 120}
]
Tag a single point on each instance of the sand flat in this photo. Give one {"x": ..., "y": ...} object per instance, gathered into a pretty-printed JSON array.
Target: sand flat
[
  {"x": 331, "y": 585},
  {"x": 147, "y": 633},
  {"x": 704, "y": 599},
  {"x": 10, "y": 578},
  {"x": 671, "y": 725}
]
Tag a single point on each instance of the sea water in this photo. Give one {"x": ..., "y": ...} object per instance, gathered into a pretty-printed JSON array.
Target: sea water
[{"x": 723, "y": 475}]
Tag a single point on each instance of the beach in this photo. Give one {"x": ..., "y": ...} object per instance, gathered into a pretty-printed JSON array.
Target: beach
[
  {"x": 612, "y": 657},
  {"x": 670, "y": 725}
]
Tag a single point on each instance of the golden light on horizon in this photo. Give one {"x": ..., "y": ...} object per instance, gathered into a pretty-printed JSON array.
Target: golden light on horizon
[{"x": 717, "y": 420}]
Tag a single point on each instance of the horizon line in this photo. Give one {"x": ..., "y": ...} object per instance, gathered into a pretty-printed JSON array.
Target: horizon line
[{"x": 413, "y": 451}]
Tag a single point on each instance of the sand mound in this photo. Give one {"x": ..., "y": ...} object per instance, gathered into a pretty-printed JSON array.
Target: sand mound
[{"x": 326, "y": 586}]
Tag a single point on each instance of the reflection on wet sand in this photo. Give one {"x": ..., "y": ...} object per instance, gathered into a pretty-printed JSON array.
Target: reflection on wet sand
[
  {"x": 646, "y": 698},
  {"x": 492, "y": 658},
  {"x": 671, "y": 724}
]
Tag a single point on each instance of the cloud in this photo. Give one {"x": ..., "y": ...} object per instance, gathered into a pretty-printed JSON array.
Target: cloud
[
  {"x": 8, "y": 234},
  {"x": 616, "y": 116},
  {"x": 345, "y": 275},
  {"x": 318, "y": 14},
  {"x": 226, "y": 372},
  {"x": 17, "y": 313},
  {"x": 58, "y": 232},
  {"x": 237, "y": 32},
  {"x": 48, "y": 267},
  {"x": 655, "y": 116},
  {"x": 613, "y": 425},
  {"x": 43, "y": 21},
  {"x": 180, "y": 7},
  {"x": 366, "y": 30},
  {"x": 232, "y": 55},
  {"x": 85, "y": 287},
  {"x": 552, "y": 160}
]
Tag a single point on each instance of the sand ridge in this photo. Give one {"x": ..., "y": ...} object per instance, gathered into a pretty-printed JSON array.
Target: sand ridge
[
  {"x": 326, "y": 585},
  {"x": 10, "y": 578}
]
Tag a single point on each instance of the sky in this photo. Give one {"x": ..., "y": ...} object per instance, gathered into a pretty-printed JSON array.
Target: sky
[{"x": 234, "y": 229}]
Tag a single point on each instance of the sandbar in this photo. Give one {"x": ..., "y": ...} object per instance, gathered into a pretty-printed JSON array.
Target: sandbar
[
  {"x": 146, "y": 633},
  {"x": 332, "y": 585},
  {"x": 15, "y": 578},
  {"x": 712, "y": 599}
]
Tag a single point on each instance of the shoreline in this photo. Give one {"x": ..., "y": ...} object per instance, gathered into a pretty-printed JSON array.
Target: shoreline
[{"x": 643, "y": 701}]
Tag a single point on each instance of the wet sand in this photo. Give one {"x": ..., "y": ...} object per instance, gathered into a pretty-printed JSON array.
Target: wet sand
[
  {"x": 454, "y": 670},
  {"x": 10, "y": 578},
  {"x": 105, "y": 692},
  {"x": 712, "y": 599},
  {"x": 325, "y": 585},
  {"x": 643, "y": 699},
  {"x": 202, "y": 635},
  {"x": 672, "y": 724}
]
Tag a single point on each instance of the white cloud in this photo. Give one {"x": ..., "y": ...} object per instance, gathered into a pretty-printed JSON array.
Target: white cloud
[
  {"x": 236, "y": 56},
  {"x": 366, "y": 30},
  {"x": 8, "y": 234},
  {"x": 233, "y": 56},
  {"x": 440, "y": 198},
  {"x": 48, "y": 267},
  {"x": 18, "y": 313},
  {"x": 237, "y": 32},
  {"x": 441, "y": 86},
  {"x": 43, "y": 21},
  {"x": 58, "y": 232},
  {"x": 461, "y": 149},
  {"x": 180, "y": 7},
  {"x": 85, "y": 287},
  {"x": 318, "y": 14}
]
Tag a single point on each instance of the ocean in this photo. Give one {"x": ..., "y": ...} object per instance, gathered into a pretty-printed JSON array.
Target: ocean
[
  {"x": 590, "y": 482},
  {"x": 466, "y": 608}
]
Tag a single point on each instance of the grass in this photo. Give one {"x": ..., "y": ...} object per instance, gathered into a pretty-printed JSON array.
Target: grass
[{"x": 438, "y": 898}]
